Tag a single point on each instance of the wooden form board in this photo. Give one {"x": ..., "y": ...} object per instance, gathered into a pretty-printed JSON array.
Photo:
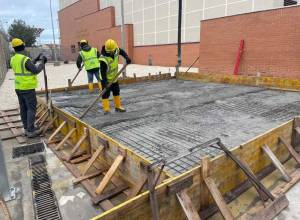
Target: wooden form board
[
  {"x": 125, "y": 81},
  {"x": 224, "y": 172},
  {"x": 268, "y": 82}
]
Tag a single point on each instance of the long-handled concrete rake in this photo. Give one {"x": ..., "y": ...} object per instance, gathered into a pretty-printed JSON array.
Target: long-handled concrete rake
[
  {"x": 70, "y": 82},
  {"x": 102, "y": 92}
]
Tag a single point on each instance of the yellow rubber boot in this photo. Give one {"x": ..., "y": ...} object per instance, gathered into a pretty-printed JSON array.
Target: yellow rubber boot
[
  {"x": 91, "y": 87},
  {"x": 100, "y": 86},
  {"x": 118, "y": 105},
  {"x": 105, "y": 106}
]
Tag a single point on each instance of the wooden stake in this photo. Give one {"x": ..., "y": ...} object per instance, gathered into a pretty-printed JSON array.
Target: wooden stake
[
  {"x": 47, "y": 126},
  {"x": 58, "y": 147},
  {"x": 204, "y": 198},
  {"x": 57, "y": 130},
  {"x": 276, "y": 163},
  {"x": 218, "y": 198},
  {"x": 187, "y": 205},
  {"x": 76, "y": 147},
  {"x": 112, "y": 170},
  {"x": 290, "y": 148},
  {"x": 92, "y": 175},
  {"x": 138, "y": 188},
  {"x": 92, "y": 160}
]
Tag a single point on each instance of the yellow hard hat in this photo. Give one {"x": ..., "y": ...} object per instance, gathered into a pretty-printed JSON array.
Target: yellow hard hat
[
  {"x": 110, "y": 45},
  {"x": 83, "y": 41},
  {"x": 17, "y": 42}
]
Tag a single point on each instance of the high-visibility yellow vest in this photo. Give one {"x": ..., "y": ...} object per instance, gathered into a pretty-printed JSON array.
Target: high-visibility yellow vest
[
  {"x": 24, "y": 79},
  {"x": 90, "y": 59},
  {"x": 112, "y": 66}
]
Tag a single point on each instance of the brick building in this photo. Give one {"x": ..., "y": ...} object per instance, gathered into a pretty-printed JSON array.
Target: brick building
[{"x": 268, "y": 28}]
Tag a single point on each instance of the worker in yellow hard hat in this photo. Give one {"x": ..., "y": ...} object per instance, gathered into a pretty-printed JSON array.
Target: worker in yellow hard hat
[
  {"x": 109, "y": 61},
  {"x": 89, "y": 56},
  {"x": 25, "y": 84}
]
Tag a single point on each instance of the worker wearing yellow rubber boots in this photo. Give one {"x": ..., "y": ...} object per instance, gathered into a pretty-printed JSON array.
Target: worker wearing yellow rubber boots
[
  {"x": 89, "y": 56},
  {"x": 109, "y": 61}
]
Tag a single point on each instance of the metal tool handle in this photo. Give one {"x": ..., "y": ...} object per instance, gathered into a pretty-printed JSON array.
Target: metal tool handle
[
  {"x": 46, "y": 84},
  {"x": 76, "y": 75},
  {"x": 102, "y": 92}
]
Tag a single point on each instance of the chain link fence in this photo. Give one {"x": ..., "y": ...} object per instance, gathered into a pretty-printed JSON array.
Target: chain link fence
[{"x": 4, "y": 56}]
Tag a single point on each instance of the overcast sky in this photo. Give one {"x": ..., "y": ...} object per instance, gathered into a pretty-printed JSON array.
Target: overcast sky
[{"x": 33, "y": 12}]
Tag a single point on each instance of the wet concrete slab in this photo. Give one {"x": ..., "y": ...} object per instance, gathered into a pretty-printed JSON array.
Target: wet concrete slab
[{"x": 165, "y": 118}]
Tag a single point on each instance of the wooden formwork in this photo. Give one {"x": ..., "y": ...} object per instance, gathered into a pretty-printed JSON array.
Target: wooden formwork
[
  {"x": 281, "y": 83},
  {"x": 116, "y": 177}
]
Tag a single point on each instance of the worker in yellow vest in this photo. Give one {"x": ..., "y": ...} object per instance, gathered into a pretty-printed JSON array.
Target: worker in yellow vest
[
  {"x": 89, "y": 56},
  {"x": 109, "y": 61},
  {"x": 25, "y": 84}
]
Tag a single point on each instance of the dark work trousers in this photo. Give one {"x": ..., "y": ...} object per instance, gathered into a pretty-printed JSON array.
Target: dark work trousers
[
  {"x": 115, "y": 88},
  {"x": 91, "y": 74},
  {"x": 27, "y": 102}
]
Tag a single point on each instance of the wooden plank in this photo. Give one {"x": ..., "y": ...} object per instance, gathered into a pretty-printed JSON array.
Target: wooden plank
[
  {"x": 11, "y": 136},
  {"x": 92, "y": 160},
  {"x": 44, "y": 120},
  {"x": 81, "y": 159},
  {"x": 297, "y": 129},
  {"x": 109, "y": 194},
  {"x": 290, "y": 148},
  {"x": 5, "y": 209},
  {"x": 61, "y": 144},
  {"x": 138, "y": 187},
  {"x": 180, "y": 185},
  {"x": 204, "y": 198},
  {"x": 15, "y": 131},
  {"x": 90, "y": 188},
  {"x": 47, "y": 126},
  {"x": 57, "y": 131},
  {"x": 276, "y": 163},
  {"x": 218, "y": 198},
  {"x": 10, "y": 115},
  {"x": 76, "y": 147},
  {"x": 10, "y": 121},
  {"x": 42, "y": 116},
  {"x": 268, "y": 211},
  {"x": 187, "y": 205},
  {"x": 152, "y": 194},
  {"x": 112, "y": 170},
  {"x": 92, "y": 175},
  {"x": 9, "y": 127}
]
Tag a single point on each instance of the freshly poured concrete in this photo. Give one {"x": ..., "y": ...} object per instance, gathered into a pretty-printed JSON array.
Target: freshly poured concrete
[{"x": 165, "y": 118}]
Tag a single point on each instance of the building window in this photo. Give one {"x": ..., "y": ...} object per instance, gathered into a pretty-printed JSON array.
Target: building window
[
  {"x": 289, "y": 2},
  {"x": 73, "y": 49}
]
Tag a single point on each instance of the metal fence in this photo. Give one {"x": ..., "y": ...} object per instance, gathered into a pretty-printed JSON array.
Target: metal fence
[{"x": 4, "y": 56}]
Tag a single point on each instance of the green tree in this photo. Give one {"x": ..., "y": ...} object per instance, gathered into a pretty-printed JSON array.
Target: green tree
[{"x": 23, "y": 31}]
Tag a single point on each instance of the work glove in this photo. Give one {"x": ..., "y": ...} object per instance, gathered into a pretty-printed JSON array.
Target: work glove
[
  {"x": 128, "y": 60},
  {"x": 38, "y": 58},
  {"x": 44, "y": 59}
]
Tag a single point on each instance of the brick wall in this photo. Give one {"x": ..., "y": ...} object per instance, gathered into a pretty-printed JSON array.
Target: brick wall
[
  {"x": 166, "y": 55},
  {"x": 83, "y": 19},
  {"x": 272, "y": 43}
]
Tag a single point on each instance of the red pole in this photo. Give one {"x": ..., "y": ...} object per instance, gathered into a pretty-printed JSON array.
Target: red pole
[{"x": 238, "y": 58}]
